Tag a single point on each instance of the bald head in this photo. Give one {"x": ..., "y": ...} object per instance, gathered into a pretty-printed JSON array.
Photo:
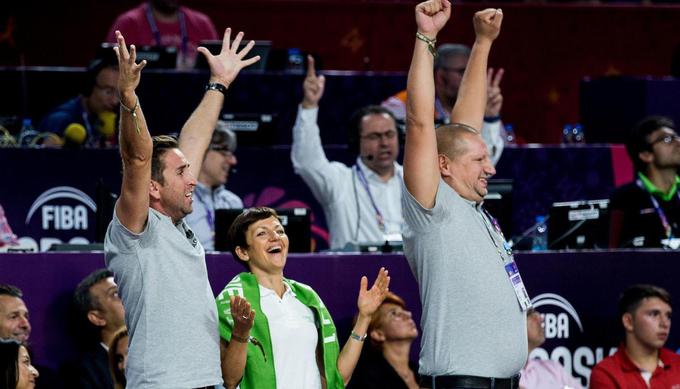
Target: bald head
[{"x": 454, "y": 139}]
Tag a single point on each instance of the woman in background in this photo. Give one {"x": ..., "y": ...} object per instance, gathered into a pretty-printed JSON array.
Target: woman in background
[{"x": 16, "y": 371}]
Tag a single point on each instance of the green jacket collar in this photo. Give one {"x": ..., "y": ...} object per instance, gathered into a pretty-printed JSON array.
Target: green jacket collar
[{"x": 653, "y": 189}]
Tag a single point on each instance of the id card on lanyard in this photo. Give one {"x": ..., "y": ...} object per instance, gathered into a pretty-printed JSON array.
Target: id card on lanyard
[{"x": 511, "y": 269}]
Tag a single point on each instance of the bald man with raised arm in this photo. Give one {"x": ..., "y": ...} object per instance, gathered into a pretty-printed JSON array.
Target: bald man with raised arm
[
  {"x": 158, "y": 263},
  {"x": 474, "y": 326}
]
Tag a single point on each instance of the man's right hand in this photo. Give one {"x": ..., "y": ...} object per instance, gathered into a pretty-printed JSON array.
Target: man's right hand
[
  {"x": 129, "y": 72},
  {"x": 431, "y": 16},
  {"x": 313, "y": 86}
]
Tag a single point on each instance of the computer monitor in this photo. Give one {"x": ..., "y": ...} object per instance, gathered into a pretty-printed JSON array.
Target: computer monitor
[
  {"x": 498, "y": 201},
  {"x": 261, "y": 48},
  {"x": 579, "y": 225},
  {"x": 296, "y": 221}
]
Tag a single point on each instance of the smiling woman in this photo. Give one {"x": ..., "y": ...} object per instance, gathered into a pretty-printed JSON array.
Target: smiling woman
[{"x": 292, "y": 341}]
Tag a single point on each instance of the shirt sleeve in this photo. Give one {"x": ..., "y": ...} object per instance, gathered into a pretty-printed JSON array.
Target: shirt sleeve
[{"x": 309, "y": 159}]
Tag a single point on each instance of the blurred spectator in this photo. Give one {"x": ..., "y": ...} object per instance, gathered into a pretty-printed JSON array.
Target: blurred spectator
[
  {"x": 646, "y": 212},
  {"x": 165, "y": 23},
  {"x": 89, "y": 119},
  {"x": 538, "y": 373},
  {"x": 7, "y": 236},
  {"x": 641, "y": 360},
  {"x": 386, "y": 363},
  {"x": 118, "y": 352},
  {"x": 14, "y": 322},
  {"x": 16, "y": 370},
  {"x": 210, "y": 193},
  {"x": 102, "y": 314},
  {"x": 449, "y": 66}
]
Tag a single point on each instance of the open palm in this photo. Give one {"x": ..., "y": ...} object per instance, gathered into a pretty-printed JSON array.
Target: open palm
[{"x": 370, "y": 299}]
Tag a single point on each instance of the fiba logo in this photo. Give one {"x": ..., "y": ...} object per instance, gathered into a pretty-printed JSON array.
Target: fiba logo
[
  {"x": 67, "y": 214},
  {"x": 556, "y": 313}
]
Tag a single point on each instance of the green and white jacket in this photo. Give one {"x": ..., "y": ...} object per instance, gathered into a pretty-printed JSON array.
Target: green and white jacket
[{"x": 260, "y": 370}]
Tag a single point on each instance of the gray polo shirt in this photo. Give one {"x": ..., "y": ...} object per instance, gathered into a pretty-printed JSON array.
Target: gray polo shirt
[
  {"x": 169, "y": 306},
  {"x": 472, "y": 323}
]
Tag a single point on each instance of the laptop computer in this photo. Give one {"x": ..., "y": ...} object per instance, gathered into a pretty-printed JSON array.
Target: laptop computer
[
  {"x": 261, "y": 48},
  {"x": 296, "y": 221}
]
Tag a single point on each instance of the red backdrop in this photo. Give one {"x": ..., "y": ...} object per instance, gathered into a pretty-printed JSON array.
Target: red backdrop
[{"x": 546, "y": 49}]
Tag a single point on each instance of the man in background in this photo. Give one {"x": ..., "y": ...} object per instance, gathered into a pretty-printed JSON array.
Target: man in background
[
  {"x": 646, "y": 212},
  {"x": 210, "y": 193},
  {"x": 165, "y": 23},
  {"x": 641, "y": 360}
]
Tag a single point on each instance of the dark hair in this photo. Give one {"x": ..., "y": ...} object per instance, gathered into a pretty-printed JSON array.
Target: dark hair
[
  {"x": 10, "y": 290},
  {"x": 637, "y": 141},
  {"x": 161, "y": 145},
  {"x": 239, "y": 228},
  {"x": 354, "y": 133},
  {"x": 633, "y": 295},
  {"x": 92, "y": 72},
  {"x": 117, "y": 375},
  {"x": 83, "y": 299},
  {"x": 9, "y": 365}
]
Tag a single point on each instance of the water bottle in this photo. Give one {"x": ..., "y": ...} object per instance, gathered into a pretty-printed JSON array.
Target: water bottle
[
  {"x": 567, "y": 135},
  {"x": 540, "y": 235},
  {"x": 296, "y": 61},
  {"x": 27, "y": 133},
  {"x": 509, "y": 134},
  {"x": 578, "y": 136}
]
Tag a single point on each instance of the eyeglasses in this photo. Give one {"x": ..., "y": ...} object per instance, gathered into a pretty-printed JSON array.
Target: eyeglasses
[
  {"x": 223, "y": 150},
  {"x": 376, "y": 136},
  {"x": 668, "y": 139}
]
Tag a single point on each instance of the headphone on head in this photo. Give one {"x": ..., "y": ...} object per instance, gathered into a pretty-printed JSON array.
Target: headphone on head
[{"x": 354, "y": 129}]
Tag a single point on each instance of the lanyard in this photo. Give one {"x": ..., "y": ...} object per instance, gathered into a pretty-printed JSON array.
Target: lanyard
[
  {"x": 497, "y": 227},
  {"x": 364, "y": 182},
  {"x": 662, "y": 215},
  {"x": 209, "y": 211},
  {"x": 157, "y": 34}
]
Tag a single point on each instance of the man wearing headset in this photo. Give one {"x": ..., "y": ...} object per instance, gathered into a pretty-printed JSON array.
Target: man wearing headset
[{"x": 362, "y": 203}]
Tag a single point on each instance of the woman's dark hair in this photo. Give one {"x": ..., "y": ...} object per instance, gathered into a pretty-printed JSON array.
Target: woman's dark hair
[
  {"x": 9, "y": 366},
  {"x": 238, "y": 229},
  {"x": 117, "y": 374}
]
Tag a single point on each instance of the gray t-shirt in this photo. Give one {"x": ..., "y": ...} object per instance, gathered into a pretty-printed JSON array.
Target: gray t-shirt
[
  {"x": 472, "y": 322},
  {"x": 169, "y": 306}
]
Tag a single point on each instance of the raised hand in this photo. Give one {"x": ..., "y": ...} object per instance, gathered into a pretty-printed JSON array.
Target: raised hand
[
  {"x": 129, "y": 72},
  {"x": 370, "y": 299},
  {"x": 243, "y": 316},
  {"x": 431, "y": 16},
  {"x": 225, "y": 66},
  {"x": 313, "y": 86},
  {"x": 488, "y": 24},
  {"x": 494, "y": 99}
]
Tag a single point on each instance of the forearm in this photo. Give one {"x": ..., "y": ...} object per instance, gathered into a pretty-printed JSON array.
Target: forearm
[
  {"x": 197, "y": 131},
  {"x": 349, "y": 355},
  {"x": 472, "y": 94},
  {"x": 135, "y": 141},
  {"x": 233, "y": 362},
  {"x": 420, "y": 89},
  {"x": 306, "y": 150}
]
